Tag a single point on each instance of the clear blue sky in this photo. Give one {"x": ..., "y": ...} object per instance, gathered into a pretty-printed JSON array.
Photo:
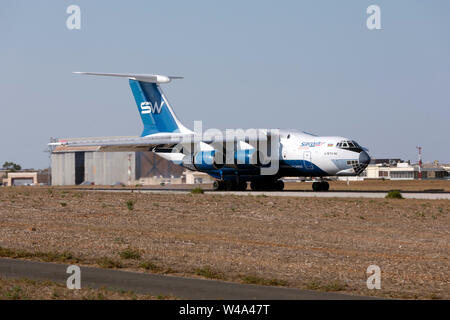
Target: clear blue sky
[{"x": 310, "y": 65}]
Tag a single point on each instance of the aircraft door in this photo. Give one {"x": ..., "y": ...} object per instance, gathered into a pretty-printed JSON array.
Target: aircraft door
[{"x": 307, "y": 160}]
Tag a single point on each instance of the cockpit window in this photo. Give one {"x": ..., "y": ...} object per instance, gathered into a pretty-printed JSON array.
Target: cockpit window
[{"x": 349, "y": 145}]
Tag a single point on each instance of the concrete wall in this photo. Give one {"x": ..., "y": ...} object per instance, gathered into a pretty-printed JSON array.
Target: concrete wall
[
  {"x": 107, "y": 168},
  {"x": 149, "y": 164},
  {"x": 102, "y": 168},
  {"x": 63, "y": 169}
]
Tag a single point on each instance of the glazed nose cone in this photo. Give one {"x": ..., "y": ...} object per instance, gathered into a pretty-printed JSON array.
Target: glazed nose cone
[{"x": 364, "y": 158}]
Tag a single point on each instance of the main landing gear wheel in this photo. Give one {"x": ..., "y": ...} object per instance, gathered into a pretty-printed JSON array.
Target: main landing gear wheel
[
  {"x": 218, "y": 185},
  {"x": 254, "y": 186},
  {"x": 242, "y": 186},
  {"x": 320, "y": 186},
  {"x": 279, "y": 185},
  {"x": 230, "y": 185}
]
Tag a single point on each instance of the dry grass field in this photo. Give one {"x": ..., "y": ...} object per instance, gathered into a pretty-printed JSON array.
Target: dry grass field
[
  {"x": 25, "y": 289},
  {"x": 310, "y": 243}
]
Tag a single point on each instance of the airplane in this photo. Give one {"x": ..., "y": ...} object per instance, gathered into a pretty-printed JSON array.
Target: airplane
[{"x": 261, "y": 157}]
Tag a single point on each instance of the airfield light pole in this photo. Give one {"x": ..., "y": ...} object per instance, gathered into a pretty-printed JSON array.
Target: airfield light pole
[
  {"x": 420, "y": 163},
  {"x": 129, "y": 169},
  {"x": 49, "y": 150}
]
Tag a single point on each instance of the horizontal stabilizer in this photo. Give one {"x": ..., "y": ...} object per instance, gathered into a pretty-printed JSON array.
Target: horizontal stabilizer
[{"x": 152, "y": 78}]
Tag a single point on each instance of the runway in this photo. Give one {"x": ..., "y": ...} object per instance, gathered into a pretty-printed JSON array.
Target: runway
[
  {"x": 299, "y": 193},
  {"x": 179, "y": 287}
]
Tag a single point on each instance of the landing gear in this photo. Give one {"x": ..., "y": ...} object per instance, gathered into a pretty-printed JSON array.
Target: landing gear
[
  {"x": 229, "y": 185},
  {"x": 276, "y": 185},
  {"x": 242, "y": 186},
  {"x": 218, "y": 185},
  {"x": 320, "y": 186},
  {"x": 279, "y": 185},
  {"x": 255, "y": 186}
]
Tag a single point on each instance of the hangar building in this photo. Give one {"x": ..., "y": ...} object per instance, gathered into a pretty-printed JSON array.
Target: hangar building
[{"x": 84, "y": 165}]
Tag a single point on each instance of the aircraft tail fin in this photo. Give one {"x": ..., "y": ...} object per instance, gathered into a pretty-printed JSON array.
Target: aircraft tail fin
[{"x": 156, "y": 113}]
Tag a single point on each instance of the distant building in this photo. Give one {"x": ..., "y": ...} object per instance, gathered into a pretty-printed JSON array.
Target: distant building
[
  {"x": 196, "y": 177},
  {"x": 403, "y": 171},
  {"x": 20, "y": 179},
  {"x": 24, "y": 177},
  {"x": 386, "y": 161},
  {"x": 160, "y": 180},
  {"x": 84, "y": 165}
]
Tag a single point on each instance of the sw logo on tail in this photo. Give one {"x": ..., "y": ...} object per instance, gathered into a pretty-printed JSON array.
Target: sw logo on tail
[{"x": 147, "y": 107}]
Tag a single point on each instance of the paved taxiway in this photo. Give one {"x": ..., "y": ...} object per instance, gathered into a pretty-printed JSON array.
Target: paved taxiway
[{"x": 187, "y": 288}]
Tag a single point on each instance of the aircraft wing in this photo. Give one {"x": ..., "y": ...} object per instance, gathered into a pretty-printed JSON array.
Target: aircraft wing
[
  {"x": 148, "y": 143},
  {"x": 125, "y": 144}
]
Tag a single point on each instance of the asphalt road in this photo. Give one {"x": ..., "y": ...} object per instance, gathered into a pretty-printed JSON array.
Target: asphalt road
[{"x": 184, "y": 288}]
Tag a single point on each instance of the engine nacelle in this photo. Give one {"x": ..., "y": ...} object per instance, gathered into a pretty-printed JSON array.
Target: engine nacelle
[
  {"x": 214, "y": 160},
  {"x": 245, "y": 157},
  {"x": 207, "y": 160},
  {"x": 248, "y": 159}
]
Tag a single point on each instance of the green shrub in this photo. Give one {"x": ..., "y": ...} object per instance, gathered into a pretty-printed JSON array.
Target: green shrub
[
  {"x": 130, "y": 204},
  {"x": 45, "y": 256},
  {"x": 331, "y": 286},
  {"x": 197, "y": 190},
  {"x": 148, "y": 265},
  {"x": 108, "y": 263},
  {"x": 15, "y": 293},
  {"x": 207, "y": 272},
  {"x": 263, "y": 281},
  {"x": 394, "y": 194},
  {"x": 130, "y": 253},
  {"x": 335, "y": 286}
]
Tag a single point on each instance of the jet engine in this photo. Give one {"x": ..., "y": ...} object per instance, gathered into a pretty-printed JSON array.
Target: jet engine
[{"x": 207, "y": 160}]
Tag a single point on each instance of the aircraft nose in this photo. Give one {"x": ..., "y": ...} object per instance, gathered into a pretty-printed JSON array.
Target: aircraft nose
[{"x": 364, "y": 158}]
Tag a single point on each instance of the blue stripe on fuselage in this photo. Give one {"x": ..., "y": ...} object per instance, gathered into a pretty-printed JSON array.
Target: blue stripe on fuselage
[{"x": 295, "y": 168}]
